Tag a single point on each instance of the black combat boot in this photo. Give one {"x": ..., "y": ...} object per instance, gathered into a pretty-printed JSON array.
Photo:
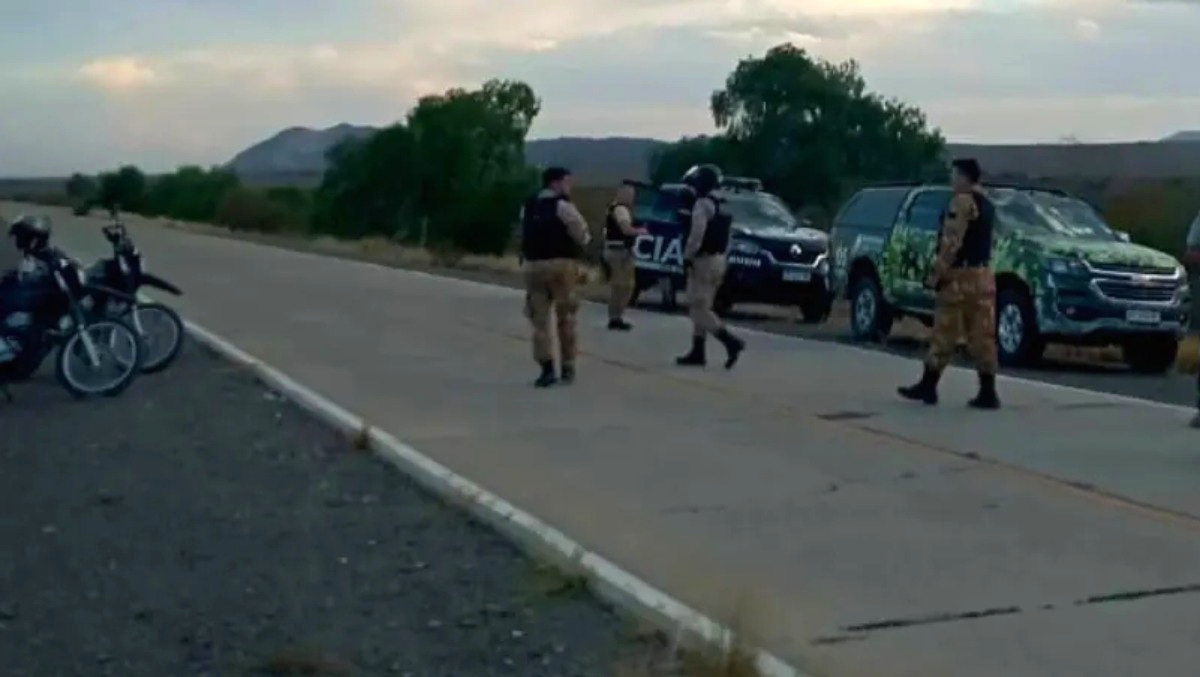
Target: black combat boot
[
  {"x": 568, "y": 374},
  {"x": 695, "y": 358},
  {"x": 733, "y": 346},
  {"x": 548, "y": 377},
  {"x": 618, "y": 324},
  {"x": 924, "y": 390},
  {"x": 987, "y": 397}
]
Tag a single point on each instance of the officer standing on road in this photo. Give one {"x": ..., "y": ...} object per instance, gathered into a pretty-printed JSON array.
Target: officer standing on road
[
  {"x": 704, "y": 259},
  {"x": 1192, "y": 258},
  {"x": 553, "y": 237},
  {"x": 619, "y": 235},
  {"x": 966, "y": 290}
]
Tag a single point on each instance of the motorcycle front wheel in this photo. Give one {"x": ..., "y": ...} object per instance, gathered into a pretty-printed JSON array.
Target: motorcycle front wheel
[
  {"x": 161, "y": 331},
  {"x": 100, "y": 359}
]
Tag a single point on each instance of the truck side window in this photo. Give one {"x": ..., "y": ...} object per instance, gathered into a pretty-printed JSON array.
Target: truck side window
[
  {"x": 927, "y": 209},
  {"x": 871, "y": 209}
]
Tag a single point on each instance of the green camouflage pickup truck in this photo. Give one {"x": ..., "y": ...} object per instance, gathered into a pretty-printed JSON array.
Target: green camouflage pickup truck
[{"x": 1062, "y": 274}]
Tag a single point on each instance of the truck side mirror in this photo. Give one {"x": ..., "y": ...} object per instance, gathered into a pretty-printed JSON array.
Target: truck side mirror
[{"x": 1122, "y": 236}]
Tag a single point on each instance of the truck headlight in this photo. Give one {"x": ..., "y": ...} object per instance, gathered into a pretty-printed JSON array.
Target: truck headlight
[
  {"x": 745, "y": 247},
  {"x": 1065, "y": 266}
]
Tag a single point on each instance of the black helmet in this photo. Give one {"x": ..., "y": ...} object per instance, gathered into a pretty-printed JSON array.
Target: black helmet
[
  {"x": 30, "y": 233},
  {"x": 704, "y": 179}
]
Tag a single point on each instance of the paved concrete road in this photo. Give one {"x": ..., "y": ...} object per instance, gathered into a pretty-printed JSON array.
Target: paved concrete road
[
  {"x": 201, "y": 526},
  {"x": 869, "y": 537}
]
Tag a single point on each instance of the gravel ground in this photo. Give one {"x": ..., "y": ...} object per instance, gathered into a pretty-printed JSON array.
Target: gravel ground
[{"x": 198, "y": 525}]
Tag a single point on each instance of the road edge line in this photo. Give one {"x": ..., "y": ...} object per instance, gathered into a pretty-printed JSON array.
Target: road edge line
[{"x": 537, "y": 538}]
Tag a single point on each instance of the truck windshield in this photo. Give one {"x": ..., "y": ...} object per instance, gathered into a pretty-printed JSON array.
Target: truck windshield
[
  {"x": 1041, "y": 212},
  {"x": 758, "y": 211}
]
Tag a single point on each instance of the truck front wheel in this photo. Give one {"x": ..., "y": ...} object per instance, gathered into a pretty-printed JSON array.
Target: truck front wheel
[{"x": 1018, "y": 341}]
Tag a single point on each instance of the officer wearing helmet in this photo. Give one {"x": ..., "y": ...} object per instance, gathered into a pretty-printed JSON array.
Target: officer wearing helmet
[
  {"x": 704, "y": 259},
  {"x": 30, "y": 235}
]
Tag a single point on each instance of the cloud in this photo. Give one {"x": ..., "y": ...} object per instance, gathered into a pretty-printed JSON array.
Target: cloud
[
  {"x": 1087, "y": 30},
  {"x": 212, "y": 77},
  {"x": 118, "y": 73}
]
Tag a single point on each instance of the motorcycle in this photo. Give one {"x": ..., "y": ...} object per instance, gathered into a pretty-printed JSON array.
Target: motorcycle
[
  {"x": 42, "y": 309},
  {"x": 159, "y": 326}
]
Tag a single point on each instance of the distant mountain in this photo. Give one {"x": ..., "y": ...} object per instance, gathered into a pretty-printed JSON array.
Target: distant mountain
[
  {"x": 595, "y": 160},
  {"x": 296, "y": 150},
  {"x": 301, "y": 150},
  {"x": 1185, "y": 135},
  {"x": 297, "y": 155}
]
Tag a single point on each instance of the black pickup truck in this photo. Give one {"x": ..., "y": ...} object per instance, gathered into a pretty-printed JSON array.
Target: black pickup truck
[{"x": 774, "y": 259}]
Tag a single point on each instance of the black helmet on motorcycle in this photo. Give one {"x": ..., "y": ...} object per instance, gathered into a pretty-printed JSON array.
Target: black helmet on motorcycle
[
  {"x": 704, "y": 179},
  {"x": 30, "y": 233}
]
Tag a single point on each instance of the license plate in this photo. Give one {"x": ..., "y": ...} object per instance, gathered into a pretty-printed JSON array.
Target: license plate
[
  {"x": 1138, "y": 316},
  {"x": 796, "y": 276}
]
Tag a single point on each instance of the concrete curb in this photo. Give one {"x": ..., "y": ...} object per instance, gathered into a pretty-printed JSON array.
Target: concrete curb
[{"x": 537, "y": 538}]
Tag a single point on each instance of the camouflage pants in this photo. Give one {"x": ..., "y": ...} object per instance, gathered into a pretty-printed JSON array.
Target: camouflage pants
[
  {"x": 966, "y": 303},
  {"x": 702, "y": 284},
  {"x": 620, "y": 280},
  {"x": 550, "y": 293}
]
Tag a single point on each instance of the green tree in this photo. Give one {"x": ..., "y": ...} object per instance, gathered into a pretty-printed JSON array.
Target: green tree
[
  {"x": 190, "y": 193},
  {"x": 810, "y": 129},
  {"x": 471, "y": 152},
  {"x": 80, "y": 187},
  {"x": 451, "y": 176},
  {"x": 124, "y": 189},
  {"x": 370, "y": 188}
]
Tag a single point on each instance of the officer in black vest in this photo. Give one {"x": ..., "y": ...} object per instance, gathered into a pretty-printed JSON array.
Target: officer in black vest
[
  {"x": 619, "y": 236},
  {"x": 966, "y": 290},
  {"x": 704, "y": 259},
  {"x": 553, "y": 237}
]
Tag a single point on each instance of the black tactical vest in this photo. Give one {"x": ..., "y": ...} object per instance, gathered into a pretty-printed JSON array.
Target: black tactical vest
[
  {"x": 976, "y": 249},
  {"x": 544, "y": 236},
  {"x": 613, "y": 235},
  {"x": 716, "y": 234}
]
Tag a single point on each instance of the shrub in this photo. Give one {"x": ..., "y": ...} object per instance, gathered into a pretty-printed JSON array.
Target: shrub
[{"x": 247, "y": 209}]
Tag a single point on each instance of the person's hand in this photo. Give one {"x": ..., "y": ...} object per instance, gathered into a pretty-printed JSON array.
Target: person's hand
[{"x": 642, "y": 231}]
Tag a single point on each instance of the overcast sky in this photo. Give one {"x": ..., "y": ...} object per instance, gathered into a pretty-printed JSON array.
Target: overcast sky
[{"x": 90, "y": 84}]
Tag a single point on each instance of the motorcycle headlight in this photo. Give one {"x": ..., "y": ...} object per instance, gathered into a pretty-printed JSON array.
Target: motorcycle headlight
[{"x": 1065, "y": 266}]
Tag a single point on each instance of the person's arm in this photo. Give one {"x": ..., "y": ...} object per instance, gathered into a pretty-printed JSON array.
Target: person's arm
[
  {"x": 962, "y": 211},
  {"x": 1191, "y": 254},
  {"x": 702, "y": 213},
  {"x": 576, "y": 225},
  {"x": 624, "y": 221}
]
